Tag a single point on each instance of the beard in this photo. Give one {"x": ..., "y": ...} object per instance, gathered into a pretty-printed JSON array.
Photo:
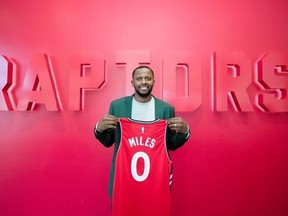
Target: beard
[{"x": 143, "y": 94}]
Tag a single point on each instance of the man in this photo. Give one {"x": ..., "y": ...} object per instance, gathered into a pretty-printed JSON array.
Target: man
[{"x": 141, "y": 106}]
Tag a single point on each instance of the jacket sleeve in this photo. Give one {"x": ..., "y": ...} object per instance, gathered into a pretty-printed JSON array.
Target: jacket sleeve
[
  {"x": 107, "y": 137},
  {"x": 176, "y": 140}
]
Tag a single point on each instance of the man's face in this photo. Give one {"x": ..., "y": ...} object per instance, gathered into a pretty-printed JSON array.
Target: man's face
[{"x": 143, "y": 82}]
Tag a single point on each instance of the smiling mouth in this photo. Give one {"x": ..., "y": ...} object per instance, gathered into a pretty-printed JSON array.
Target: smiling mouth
[{"x": 143, "y": 88}]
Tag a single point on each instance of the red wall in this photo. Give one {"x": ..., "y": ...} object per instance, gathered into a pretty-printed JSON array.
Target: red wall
[{"x": 235, "y": 162}]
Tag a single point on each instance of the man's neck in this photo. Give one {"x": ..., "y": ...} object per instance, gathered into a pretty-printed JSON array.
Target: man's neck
[{"x": 142, "y": 99}]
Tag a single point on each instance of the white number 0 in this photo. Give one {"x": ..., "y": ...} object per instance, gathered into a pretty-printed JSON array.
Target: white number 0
[{"x": 145, "y": 174}]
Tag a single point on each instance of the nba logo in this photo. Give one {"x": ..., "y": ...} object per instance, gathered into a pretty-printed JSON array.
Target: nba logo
[{"x": 142, "y": 129}]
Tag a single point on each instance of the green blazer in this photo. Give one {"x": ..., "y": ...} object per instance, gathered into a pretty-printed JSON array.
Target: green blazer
[{"x": 122, "y": 108}]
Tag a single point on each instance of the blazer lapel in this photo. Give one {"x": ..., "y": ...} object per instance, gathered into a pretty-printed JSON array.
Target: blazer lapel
[
  {"x": 128, "y": 106},
  {"x": 158, "y": 109}
]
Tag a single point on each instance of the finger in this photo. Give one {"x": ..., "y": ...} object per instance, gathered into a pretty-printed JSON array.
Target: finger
[
  {"x": 111, "y": 126},
  {"x": 110, "y": 117},
  {"x": 175, "y": 121},
  {"x": 173, "y": 126},
  {"x": 110, "y": 120},
  {"x": 171, "y": 121},
  {"x": 177, "y": 124},
  {"x": 107, "y": 122}
]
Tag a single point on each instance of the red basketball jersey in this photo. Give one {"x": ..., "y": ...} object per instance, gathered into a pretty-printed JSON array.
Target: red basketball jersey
[{"x": 143, "y": 170}]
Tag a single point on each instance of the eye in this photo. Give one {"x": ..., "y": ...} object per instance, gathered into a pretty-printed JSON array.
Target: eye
[
  {"x": 148, "y": 78},
  {"x": 138, "y": 78}
]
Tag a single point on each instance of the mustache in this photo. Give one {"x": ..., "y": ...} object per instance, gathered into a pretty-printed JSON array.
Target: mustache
[{"x": 145, "y": 85}]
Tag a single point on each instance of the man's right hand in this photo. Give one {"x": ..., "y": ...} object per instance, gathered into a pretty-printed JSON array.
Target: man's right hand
[{"x": 107, "y": 122}]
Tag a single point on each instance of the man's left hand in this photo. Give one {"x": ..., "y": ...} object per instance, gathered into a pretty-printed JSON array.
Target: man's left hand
[{"x": 178, "y": 124}]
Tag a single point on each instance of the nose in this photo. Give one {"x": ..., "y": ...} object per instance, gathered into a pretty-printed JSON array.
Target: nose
[{"x": 143, "y": 81}]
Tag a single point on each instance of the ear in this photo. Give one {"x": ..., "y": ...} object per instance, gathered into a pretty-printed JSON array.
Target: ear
[{"x": 132, "y": 83}]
